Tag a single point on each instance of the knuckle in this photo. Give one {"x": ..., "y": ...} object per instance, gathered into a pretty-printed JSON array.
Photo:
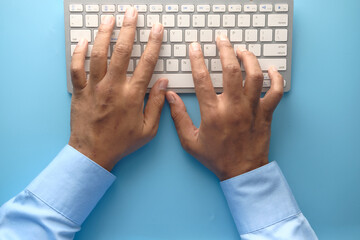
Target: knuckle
[
  {"x": 256, "y": 75},
  {"x": 150, "y": 59},
  {"x": 201, "y": 75},
  {"x": 98, "y": 54},
  {"x": 232, "y": 68},
  {"x": 129, "y": 23},
  {"x": 123, "y": 49},
  {"x": 103, "y": 30}
]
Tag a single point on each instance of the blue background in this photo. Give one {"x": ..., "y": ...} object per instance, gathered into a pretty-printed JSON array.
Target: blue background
[{"x": 161, "y": 192}]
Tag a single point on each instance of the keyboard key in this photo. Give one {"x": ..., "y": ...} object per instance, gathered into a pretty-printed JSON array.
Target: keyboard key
[
  {"x": 203, "y": 8},
  {"x": 243, "y": 20},
  {"x": 87, "y": 66},
  {"x": 213, "y": 20},
  {"x": 236, "y": 35},
  {"x": 206, "y": 36},
  {"x": 176, "y": 36},
  {"x": 234, "y": 8},
  {"x": 156, "y": 8},
  {"x": 281, "y": 7},
  {"x": 266, "y": 35},
  {"x": 240, "y": 46},
  {"x": 77, "y": 35},
  {"x": 165, "y": 50},
  {"x": 188, "y": 8},
  {"x": 216, "y": 65},
  {"x": 210, "y": 50},
  {"x": 275, "y": 50},
  {"x": 255, "y": 49},
  {"x": 281, "y": 35},
  {"x": 141, "y": 8},
  {"x": 136, "y": 51},
  {"x": 172, "y": 65},
  {"x": 122, "y": 8},
  {"x": 140, "y": 21},
  {"x": 76, "y": 20},
  {"x": 198, "y": 20},
  {"x": 251, "y": 35},
  {"x": 228, "y": 20},
  {"x": 185, "y": 65},
  {"x": 76, "y": 8},
  {"x": 219, "y": 32},
  {"x": 144, "y": 35},
  {"x": 119, "y": 20},
  {"x": 183, "y": 20},
  {"x": 108, "y": 8},
  {"x": 172, "y": 8},
  {"x": 159, "y": 67},
  {"x": 259, "y": 20},
  {"x": 92, "y": 8},
  {"x": 191, "y": 36},
  {"x": 266, "y": 8},
  {"x": 152, "y": 19},
  {"x": 168, "y": 20},
  {"x": 250, "y": 8},
  {"x": 278, "y": 20},
  {"x": 165, "y": 36},
  {"x": 180, "y": 50},
  {"x": 91, "y": 20},
  {"x": 280, "y": 64},
  {"x": 219, "y": 8}
]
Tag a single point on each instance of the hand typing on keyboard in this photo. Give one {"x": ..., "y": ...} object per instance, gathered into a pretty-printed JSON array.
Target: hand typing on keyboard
[
  {"x": 108, "y": 120},
  {"x": 234, "y": 134}
]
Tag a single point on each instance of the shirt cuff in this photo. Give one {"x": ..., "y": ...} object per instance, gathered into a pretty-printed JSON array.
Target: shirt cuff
[
  {"x": 72, "y": 184},
  {"x": 259, "y": 198}
]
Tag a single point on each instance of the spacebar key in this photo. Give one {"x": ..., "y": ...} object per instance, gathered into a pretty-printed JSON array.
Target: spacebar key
[
  {"x": 279, "y": 63},
  {"x": 184, "y": 80}
]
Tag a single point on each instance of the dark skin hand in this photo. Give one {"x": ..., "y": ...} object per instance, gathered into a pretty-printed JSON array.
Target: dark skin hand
[
  {"x": 108, "y": 119},
  {"x": 234, "y": 134}
]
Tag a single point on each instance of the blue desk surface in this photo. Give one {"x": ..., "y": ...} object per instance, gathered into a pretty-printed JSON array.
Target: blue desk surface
[{"x": 161, "y": 192}]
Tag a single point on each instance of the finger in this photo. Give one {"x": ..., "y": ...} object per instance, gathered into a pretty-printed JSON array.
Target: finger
[
  {"x": 183, "y": 124},
  {"x": 203, "y": 86},
  {"x": 254, "y": 76},
  {"x": 276, "y": 91},
  {"x": 122, "y": 50},
  {"x": 99, "y": 53},
  {"x": 78, "y": 75},
  {"x": 154, "y": 106},
  {"x": 145, "y": 68},
  {"x": 232, "y": 78}
]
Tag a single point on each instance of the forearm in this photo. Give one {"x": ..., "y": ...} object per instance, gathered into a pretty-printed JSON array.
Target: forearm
[
  {"x": 264, "y": 207},
  {"x": 58, "y": 201}
]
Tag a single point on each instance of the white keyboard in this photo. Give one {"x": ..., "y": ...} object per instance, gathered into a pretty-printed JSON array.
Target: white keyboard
[{"x": 264, "y": 27}]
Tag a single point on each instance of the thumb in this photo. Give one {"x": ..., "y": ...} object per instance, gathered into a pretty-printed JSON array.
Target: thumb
[{"x": 183, "y": 123}]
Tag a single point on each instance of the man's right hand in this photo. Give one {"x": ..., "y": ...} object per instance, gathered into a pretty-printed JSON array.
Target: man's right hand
[{"x": 234, "y": 134}]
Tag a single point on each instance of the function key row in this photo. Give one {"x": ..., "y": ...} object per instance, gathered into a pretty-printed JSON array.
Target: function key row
[{"x": 111, "y": 8}]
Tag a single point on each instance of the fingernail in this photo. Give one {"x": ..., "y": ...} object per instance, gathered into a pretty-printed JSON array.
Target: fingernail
[
  {"x": 130, "y": 12},
  {"x": 163, "y": 84},
  {"x": 222, "y": 37},
  {"x": 195, "y": 46},
  {"x": 273, "y": 69},
  {"x": 81, "y": 42},
  {"x": 107, "y": 19},
  {"x": 242, "y": 49},
  {"x": 157, "y": 28},
  {"x": 170, "y": 98}
]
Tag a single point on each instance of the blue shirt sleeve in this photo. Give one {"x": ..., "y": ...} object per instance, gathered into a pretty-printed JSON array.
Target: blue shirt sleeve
[
  {"x": 263, "y": 206},
  {"x": 58, "y": 201}
]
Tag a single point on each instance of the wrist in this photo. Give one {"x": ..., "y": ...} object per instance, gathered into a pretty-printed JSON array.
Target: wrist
[{"x": 243, "y": 167}]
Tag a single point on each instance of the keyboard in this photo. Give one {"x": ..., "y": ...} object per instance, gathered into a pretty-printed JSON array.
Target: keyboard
[{"x": 264, "y": 27}]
